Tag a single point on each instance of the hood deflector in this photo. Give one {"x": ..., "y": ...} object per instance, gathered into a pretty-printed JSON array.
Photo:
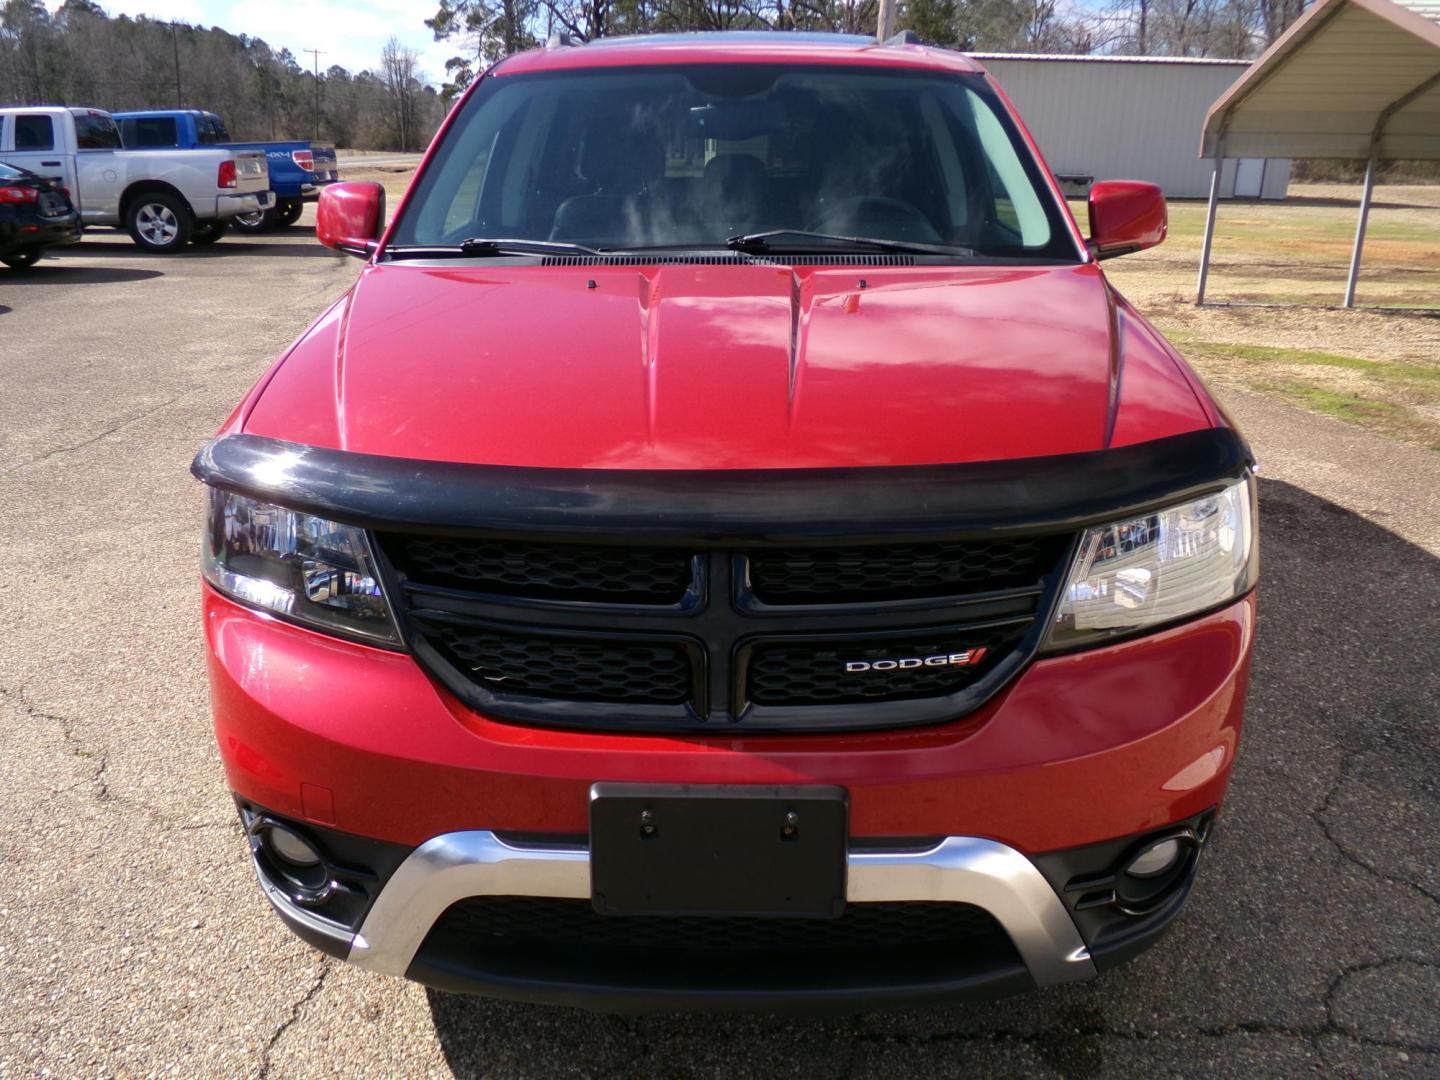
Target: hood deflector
[{"x": 897, "y": 503}]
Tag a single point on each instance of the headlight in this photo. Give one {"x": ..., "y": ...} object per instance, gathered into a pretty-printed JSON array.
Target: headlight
[
  {"x": 1157, "y": 568},
  {"x": 305, "y": 568}
]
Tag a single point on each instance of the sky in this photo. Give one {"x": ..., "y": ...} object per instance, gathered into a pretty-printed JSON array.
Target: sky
[{"x": 348, "y": 32}]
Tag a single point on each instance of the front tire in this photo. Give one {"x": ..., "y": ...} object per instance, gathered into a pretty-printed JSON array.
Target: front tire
[
  {"x": 207, "y": 233},
  {"x": 159, "y": 222},
  {"x": 21, "y": 260},
  {"x": 258, "y": 222}
]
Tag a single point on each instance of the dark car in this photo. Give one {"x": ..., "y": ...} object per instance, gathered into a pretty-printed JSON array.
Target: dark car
[{"x": 35, "y": 213}]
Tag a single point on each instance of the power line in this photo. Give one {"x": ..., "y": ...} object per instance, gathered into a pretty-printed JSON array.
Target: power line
[
  {"x": 316, "y": 54},
  {"x": 175, "y": 42}
]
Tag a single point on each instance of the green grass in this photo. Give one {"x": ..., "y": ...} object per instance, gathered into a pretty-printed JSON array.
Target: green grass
[
  {"x": 1426, "y": 380},
  {"x": 1389, "y": 397},
  {"x": 1261, "y": 228},
  {"x": 1296, "y": 253},
  {"x": 1382, "y": 416}
]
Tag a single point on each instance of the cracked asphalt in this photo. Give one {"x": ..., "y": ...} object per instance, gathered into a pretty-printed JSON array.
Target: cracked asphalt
[{"x": 134, "y": 942}]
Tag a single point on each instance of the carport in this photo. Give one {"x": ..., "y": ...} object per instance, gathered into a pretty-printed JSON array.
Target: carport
[{"x": 1356, "y": 79}]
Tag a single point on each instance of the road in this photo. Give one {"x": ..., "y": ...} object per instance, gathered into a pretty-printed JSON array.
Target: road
[
  {"x": 133, "y": 940},
  {"x": 366, "y": 161}
]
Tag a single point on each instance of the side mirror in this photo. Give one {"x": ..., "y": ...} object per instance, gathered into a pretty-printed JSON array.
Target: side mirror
[
  {"x": 1125, "y": 216},
  {"x": 351, "y": 217}
]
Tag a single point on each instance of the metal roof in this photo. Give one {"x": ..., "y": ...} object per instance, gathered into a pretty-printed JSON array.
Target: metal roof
[
  {"x": 1429, "y": 8},
  {"x": 1346, "y": 74},
  {"x": 1089, "y": 58}
]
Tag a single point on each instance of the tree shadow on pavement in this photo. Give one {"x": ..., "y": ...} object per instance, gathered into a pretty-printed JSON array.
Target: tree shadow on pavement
[
  {"x": 233, "y": 247},
  {"x": 53, "y": 273},
  {"x": 1311, "y": 938},
  {"x": 228, "y": 247}
]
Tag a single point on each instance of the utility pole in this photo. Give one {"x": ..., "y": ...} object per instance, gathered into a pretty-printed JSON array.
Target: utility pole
[
  {"x": 885, "y": 24},
  {"x": 316, "y": 54},
  {"x": 175, "y": 43}
]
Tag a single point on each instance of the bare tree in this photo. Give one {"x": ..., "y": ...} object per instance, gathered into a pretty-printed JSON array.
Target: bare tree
[
  {"x": 399, "y": 67},
  {"x": 27, "y": 40},
  {"x": 485, "y": 31},
  {"x": 1278, "y": 15},
  {"x": 1221, "y": 28}
]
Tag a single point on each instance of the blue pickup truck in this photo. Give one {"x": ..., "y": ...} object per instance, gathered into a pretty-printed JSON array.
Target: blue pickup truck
[{"x": 298, "y": 170}]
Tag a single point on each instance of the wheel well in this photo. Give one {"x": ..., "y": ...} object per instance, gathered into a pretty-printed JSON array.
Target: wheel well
[{"x": 149, "y": 187}]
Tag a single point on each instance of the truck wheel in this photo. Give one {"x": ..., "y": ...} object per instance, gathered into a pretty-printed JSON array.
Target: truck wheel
[
  {"x": 207, "y": 233},
  {"x": 289, "y": 212},
  {"x": 258, "y": 222},
  {"x": 21, "y": 260},
  {"x": 159, "y": 222}
]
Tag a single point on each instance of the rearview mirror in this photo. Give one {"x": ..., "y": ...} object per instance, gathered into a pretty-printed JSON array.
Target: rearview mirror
[
  {"x": 351, "y": 217},
  {"x": 1125, "y": 216}
]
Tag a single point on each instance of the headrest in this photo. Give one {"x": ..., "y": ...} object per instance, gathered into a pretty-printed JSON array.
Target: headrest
[{"x": 741, "y": 170}]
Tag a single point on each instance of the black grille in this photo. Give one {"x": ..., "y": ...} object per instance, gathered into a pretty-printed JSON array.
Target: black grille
[
  {"x": 482, "y": 922},
  {"x": 703, "y": 637},
  {"x": 816, "y": 673},
  {"x": 543, "y": 571},
  {"x": 572, "y": 669},
  {"x": 836, "y": 575}
]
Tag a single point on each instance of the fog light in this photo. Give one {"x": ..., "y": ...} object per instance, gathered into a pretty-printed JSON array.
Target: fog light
[
  {"x": 1155, "y": 859},
  {"x": 292, "y": 862},
  {"x": 1158, "y": 869},
  {"x": 291, "y": 847}
]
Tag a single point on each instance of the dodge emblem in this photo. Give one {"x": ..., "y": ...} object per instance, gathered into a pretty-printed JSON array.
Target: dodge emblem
[{"x": 968, "y": 658}]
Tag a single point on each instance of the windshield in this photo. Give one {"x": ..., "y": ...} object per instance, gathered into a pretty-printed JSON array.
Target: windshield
[{"x": 690, "y": 156}]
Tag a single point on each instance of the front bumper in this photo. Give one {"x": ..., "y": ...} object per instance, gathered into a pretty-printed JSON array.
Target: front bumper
[
  {"x": 457, "y": 866},
  {"x": 227, "y": 206},
  {"x": 1077, "y": 749},
  {"x": 1044, "y": 785},
  {"x": 1030, "y": 928}
]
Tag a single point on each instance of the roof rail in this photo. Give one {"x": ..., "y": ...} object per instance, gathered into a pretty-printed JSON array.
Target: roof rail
[
  {"x": 560, "y": 40},
  {"x": 904, "y": 37}
]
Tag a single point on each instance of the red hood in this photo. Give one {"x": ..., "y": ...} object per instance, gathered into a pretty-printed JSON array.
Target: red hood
[{"x": 691, "y": 366}]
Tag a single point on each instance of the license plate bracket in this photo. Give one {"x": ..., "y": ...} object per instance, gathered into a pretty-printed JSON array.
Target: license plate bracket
[{"x": 683, "y": 849}]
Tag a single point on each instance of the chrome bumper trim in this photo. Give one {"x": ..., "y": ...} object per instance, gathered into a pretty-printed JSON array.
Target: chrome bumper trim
[
  {"x": 966, "y": 870},
  {"x": 959, "y": 869},
  {"x": 304, "y": 916}
]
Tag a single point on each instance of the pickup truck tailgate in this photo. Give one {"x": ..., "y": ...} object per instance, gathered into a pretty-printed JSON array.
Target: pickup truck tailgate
[
  {"x": 327, "y": 166},
  {"x": 252, "y": 172}
]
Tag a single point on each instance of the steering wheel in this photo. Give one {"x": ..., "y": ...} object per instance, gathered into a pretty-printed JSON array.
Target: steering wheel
[{"x": 877, "y": 215}]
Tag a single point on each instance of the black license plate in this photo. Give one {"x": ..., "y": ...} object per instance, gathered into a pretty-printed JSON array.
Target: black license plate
[{"x": 718, "y": 850}]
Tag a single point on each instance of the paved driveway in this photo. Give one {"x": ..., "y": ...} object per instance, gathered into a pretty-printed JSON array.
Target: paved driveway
[{"x": 133, "y": 940}]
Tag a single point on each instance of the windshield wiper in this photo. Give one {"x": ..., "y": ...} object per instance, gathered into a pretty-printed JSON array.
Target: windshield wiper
[
  {"x": 482, "y": 248},
  {"x": 796, "y": 239}
]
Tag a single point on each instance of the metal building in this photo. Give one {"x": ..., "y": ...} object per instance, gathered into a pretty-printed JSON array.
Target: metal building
[{"x": 1130, "y": 118}]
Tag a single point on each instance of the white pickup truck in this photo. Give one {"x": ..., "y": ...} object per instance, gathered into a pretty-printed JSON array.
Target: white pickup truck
[{"x": 164, "y": 198}]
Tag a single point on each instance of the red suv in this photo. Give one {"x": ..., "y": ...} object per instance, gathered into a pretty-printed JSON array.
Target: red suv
[{"x": 731, "y": 546}]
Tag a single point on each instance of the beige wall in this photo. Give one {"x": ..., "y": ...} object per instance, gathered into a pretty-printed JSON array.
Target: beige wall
[{"x": 1126, "y": 120}]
